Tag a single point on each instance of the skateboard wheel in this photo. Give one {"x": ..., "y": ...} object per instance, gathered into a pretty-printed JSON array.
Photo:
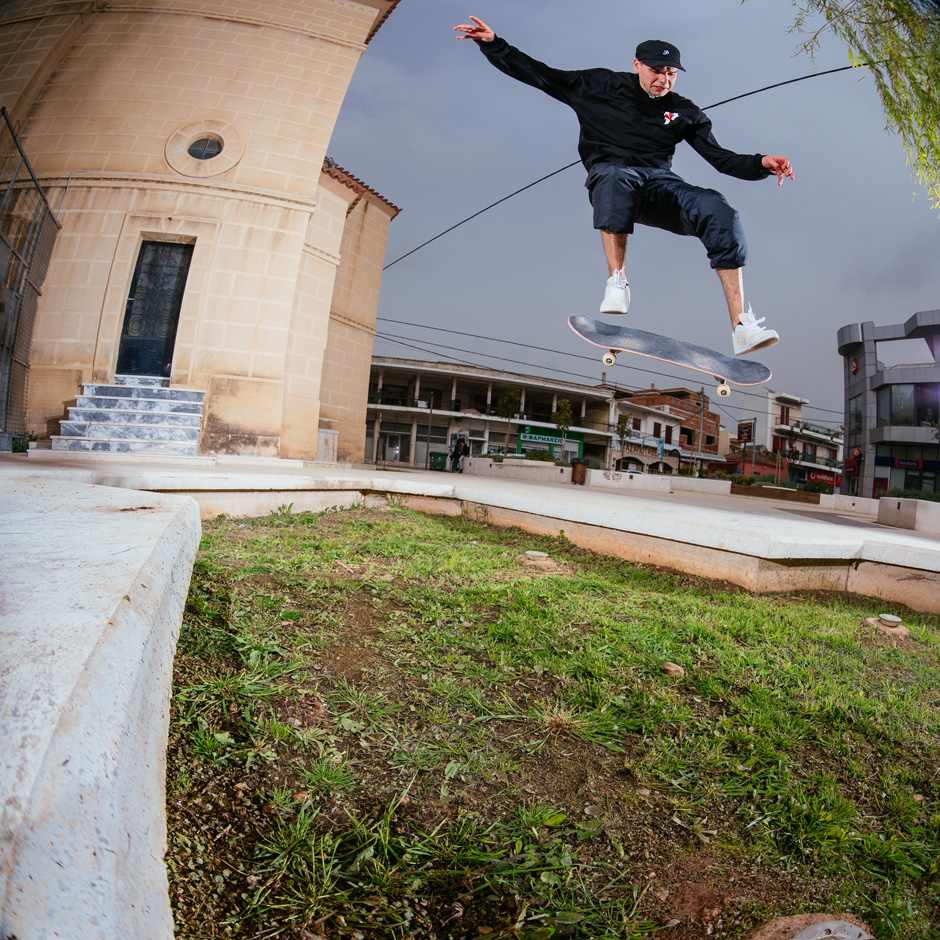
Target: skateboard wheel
[
  {"x": 724, "y": 390},
  {"x": 609, "y": 359}
]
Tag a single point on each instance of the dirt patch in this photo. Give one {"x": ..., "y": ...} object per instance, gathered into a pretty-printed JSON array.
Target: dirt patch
[
  {"x": 541, "y": 563},
  {"x": 703, "y": 895}
]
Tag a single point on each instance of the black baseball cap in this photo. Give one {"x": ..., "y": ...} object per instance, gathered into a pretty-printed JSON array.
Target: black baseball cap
[{"x": 655, "y": 52}]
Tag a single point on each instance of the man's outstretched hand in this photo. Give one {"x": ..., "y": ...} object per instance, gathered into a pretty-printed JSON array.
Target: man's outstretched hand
[
  {"x": 479, "y": 30},
  {"x": 777, "y": 165}
]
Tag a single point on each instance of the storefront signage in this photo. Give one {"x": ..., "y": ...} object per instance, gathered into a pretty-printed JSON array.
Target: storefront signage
[
  {"x": 745, "y": 430},
  {"x": 908, "y": 462},
  {"x": 540, "y": 438},
  {"x": 851, "y": 466},
  {"x": 823, "y": 476}
]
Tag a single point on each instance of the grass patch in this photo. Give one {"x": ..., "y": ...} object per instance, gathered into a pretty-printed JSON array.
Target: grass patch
[{"x": 387, "y": 725}]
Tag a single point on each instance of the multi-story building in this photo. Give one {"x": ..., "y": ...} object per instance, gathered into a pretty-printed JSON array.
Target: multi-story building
[
  {"x": 419, "y": 408},
  {"x": 891, "y": 412},
  {"x": 783, "y": 443},
  {"x": 697, "y": 426},
  {"x": 812, "y": 452},
  {"x": 205, "y": 241}
]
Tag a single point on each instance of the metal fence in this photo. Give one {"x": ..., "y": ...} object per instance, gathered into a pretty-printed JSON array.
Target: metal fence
[{"x": 28, "y": 232}]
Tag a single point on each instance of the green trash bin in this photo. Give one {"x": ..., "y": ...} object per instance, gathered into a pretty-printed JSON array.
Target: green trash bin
[{"x": 438, "y": 460}]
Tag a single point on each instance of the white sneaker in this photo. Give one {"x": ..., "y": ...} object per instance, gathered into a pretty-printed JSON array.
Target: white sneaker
[
  {"x": 617, "y": 295},
  {"x": 749, "y": 336}
]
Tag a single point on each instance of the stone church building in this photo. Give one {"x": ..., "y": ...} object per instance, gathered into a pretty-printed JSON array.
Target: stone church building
[{"x": 206, "y": 243}]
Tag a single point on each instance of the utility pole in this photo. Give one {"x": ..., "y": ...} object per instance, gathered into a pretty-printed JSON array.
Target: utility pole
[
  {"x": 701, "y": 421},
  {"x": 427, "y": 458}
]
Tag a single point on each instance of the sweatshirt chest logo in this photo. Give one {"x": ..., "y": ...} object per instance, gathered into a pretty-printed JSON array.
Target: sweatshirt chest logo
[{"x": 670, "y": 116}]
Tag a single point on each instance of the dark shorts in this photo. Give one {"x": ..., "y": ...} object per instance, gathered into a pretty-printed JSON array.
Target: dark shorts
[{"x": 624, "y": 195}]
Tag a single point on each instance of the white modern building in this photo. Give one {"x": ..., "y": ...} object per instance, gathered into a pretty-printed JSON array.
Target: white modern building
[{"x": 891, "y": 412}]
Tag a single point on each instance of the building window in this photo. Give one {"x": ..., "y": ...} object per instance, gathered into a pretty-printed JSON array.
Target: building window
[
  {"x": 854, "y": 433},
  {"x": 926, "y": 404},
  {"x": 668, "y": 433},
  {"x": 637, "y": 425},
  {"x": 902, "y": 404},
  {"x": 657, "y": 429},
  {"x": 205, "y": 148},
  {"x": 784, "y": 415},
  {"x": 896, "y": 405}
]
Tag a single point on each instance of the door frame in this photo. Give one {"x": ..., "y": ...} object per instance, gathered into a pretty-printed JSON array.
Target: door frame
[{"x": 124, "y": 347}]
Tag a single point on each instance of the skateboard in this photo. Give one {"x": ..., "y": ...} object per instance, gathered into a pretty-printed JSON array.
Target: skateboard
[{"x": 722, "y": 368}]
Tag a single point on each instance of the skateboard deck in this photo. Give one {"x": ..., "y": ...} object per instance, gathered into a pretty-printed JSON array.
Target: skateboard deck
[{"x": 723, "y": 368}]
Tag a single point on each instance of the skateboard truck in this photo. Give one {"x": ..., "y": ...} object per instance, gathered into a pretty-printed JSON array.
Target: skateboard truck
[{"x": 724, "y": 389}]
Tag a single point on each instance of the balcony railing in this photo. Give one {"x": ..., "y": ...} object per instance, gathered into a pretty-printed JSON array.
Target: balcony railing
[{"x": 805, "y": 427}]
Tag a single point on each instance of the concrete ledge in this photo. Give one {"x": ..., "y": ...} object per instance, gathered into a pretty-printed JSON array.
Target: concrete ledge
[
  {"x": 534, "y": 471},
  {"x": 854, "y": 504},
  {"x": 759, "y": 544},
  {"x": 624, "y": 479},
  {"x": 94, "y": 583},
  {"x": 893, "y": 583},
  {"x": 922, "y": 515},
  {"x": 700, "y": 485}
]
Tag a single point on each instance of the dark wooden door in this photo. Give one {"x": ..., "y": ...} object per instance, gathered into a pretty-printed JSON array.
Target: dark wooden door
[{"x": 153, "y": 309}]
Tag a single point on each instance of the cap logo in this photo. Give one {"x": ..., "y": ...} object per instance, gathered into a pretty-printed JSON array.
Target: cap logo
[{"x": 665, "y": 52}]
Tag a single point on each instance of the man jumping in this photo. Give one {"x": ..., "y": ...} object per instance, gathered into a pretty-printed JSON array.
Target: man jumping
[{"x": 631, "y": 123}]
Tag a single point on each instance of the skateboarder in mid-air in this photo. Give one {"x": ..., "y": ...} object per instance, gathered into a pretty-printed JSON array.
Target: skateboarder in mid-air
[{"x": 631, "y": 123}]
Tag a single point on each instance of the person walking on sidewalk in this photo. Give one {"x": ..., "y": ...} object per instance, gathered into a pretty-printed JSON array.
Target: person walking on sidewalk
[{"x": 631, "y": 123}]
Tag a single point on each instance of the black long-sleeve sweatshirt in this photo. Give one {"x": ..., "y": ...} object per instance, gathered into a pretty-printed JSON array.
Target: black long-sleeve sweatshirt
[{"x": 619, "y": 122}]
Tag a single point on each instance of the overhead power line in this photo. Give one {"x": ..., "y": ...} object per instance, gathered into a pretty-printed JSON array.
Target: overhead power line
[{"x": 543, "y": 349}]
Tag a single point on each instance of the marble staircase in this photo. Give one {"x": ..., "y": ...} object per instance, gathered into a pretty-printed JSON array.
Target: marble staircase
[{"x": 136, "y": 415}]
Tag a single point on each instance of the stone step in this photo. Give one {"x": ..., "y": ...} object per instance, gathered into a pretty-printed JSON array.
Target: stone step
[
  {"x": 128, "y": 432},
  {"x": 122, "y": 447},
  {"x": 168, "y": 418},
  {"x": 167, "y": 406},
  {"x": 142, "y": 381},
  {"x": 94, "y": 390}
]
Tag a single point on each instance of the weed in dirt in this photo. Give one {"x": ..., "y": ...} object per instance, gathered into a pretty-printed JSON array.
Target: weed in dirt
[{"x": 386, "y": 725}]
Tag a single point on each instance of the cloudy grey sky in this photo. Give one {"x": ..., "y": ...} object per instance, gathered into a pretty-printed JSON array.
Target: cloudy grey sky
[{"x": 441, "y": 133}]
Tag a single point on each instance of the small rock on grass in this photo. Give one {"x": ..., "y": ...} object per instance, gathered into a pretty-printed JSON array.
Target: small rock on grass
[
  {"x": 671, "y": 669},
  {"x": 786, "y": 928},
  {"x": 898, "y": 632}
]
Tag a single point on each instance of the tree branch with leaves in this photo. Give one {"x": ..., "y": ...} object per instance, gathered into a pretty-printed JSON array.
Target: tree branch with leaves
[
  {"x": 507, "y": 406},
  {"x": 898, "y": 41},
  {"x": 563, "y": 416}
]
